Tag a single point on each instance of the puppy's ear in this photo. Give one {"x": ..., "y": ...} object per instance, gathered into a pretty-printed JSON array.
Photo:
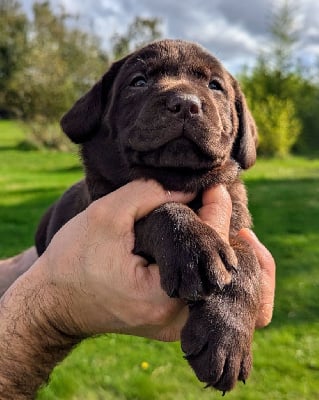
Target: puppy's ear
[
  {"x": 82, "y": 121},
  {"x": 244, "y": 148}
]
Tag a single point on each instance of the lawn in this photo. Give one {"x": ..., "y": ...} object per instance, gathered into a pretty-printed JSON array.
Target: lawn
[{"x": 284, "y": 200}]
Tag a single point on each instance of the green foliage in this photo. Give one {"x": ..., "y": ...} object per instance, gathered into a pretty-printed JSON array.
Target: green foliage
[
  {"x": 278, "y": 126},
  {"x": 284, "y": 200},
  {"x": 280, "y": 92},
  {"x": 285, "y": 34},
  {"x": 139, "y": 32},
  {"x": 62, "y": 63},
  {"x": 51, "y": 63},
  {"x": 306, "y": 100},
  {"x": 13, "y": 45},
  {"x": 289, "y": 101},
  {"x": 41, "y": 133}
]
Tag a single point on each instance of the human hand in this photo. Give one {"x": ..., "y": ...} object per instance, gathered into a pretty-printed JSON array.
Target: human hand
[
  {"x": 268, "y": 273},
  {"x": 99, "y": 284}
]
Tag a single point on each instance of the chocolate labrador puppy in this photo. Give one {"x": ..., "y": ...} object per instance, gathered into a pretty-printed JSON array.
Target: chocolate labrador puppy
[{"x": 172, "y": 113}]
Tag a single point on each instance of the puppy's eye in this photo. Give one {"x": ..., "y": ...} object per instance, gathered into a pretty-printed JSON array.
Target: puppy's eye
[
  {"x": 215, "y": 85},
  {"x": 138, "y": 81}
]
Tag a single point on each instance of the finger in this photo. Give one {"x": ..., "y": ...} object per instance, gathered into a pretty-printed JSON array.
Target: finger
[
  {"x": 175, "y": 314},
  {"x": 138, "y": 198},
  {"x": 216, "y": 210},
  {"x": 268, "y": 273},
  {"x": 166, "y": 316}
]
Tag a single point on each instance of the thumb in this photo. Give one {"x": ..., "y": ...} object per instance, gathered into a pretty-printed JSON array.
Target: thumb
[
  {"x": 138, "y": 198},
  {"x": 216, "y": 210},
  {"x": 268, "y": 277}
]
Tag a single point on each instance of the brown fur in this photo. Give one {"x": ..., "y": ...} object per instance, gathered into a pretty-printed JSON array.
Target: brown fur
[{"x": 171, "y": 112}]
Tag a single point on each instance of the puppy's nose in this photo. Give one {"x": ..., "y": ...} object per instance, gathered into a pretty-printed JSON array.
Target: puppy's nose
[{"x": 182, "y": 104}]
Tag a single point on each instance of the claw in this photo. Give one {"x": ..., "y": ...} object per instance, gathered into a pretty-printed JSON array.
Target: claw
[
  {"x": 188, "y": 356},
  {"x": 224, "y": 392},
  {"x": 207, "y": 386},
  {"x": 244, "y": 382},
  {"x": 234, "y": 268},
  {"x": 174, "y": 293},
  {"x": 220, "y": 286}
]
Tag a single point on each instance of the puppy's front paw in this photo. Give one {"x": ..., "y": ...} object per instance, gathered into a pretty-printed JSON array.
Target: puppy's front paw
[
  {"x": 195, "y": 265},
  {"x": 218, "y": 348},
  {"x": 192, "y": 258}
]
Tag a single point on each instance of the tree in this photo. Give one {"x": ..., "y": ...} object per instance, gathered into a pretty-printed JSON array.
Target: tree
[
  {"x": 285, "y": 36},
  {"x": 13, "y": 46},
  {"x": 274, "y": 85},
  {"x": 60, "y": 64},
  {"x": 140, "y": 32},
  {"x": 278, "y": 126}
]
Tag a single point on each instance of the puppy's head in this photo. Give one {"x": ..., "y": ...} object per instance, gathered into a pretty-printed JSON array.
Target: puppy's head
[{"x": 169, "y": 111}]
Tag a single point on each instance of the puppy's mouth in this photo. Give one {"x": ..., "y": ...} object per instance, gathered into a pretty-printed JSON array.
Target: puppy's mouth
[{"x": 178, "y": 154}]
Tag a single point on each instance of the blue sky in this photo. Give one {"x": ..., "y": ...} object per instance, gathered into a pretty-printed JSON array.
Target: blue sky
[{"x": 234, "y": 30}]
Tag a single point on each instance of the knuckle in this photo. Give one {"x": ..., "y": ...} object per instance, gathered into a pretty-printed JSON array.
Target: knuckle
[
  {"x": 103, "y": 213},
  {"x": 96, "y": 212},
  {"x": 161, "y": 315},
  {"x": 265, "y": 316}
]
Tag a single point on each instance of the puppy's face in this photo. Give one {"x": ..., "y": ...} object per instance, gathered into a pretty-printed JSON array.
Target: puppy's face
[{"x": 169, "y": 111}]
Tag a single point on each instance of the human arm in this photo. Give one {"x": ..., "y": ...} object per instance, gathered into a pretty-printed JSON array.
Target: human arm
[{"x": 79, "y": 288}]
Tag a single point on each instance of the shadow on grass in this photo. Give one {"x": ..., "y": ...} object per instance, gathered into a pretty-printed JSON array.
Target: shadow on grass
[
  {"x": 20, "y": 220},
  {"x": 22, "y": 145},
  {"x": 71, "y": 169}
]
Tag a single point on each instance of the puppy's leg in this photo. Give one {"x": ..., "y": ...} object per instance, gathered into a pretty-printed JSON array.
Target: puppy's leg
[
  {"x": 218, "y": 335},
  {"x": 192, "y": 257}
]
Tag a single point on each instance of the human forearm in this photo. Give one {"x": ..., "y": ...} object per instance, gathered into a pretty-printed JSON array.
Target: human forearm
[{"x": 31, "y": 344}]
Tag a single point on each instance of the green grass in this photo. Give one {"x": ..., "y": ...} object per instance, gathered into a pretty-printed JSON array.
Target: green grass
[{"x": 284, "y": 200}]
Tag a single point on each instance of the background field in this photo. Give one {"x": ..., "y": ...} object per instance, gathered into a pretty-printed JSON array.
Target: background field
[{"x": 284, "y": 200}]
